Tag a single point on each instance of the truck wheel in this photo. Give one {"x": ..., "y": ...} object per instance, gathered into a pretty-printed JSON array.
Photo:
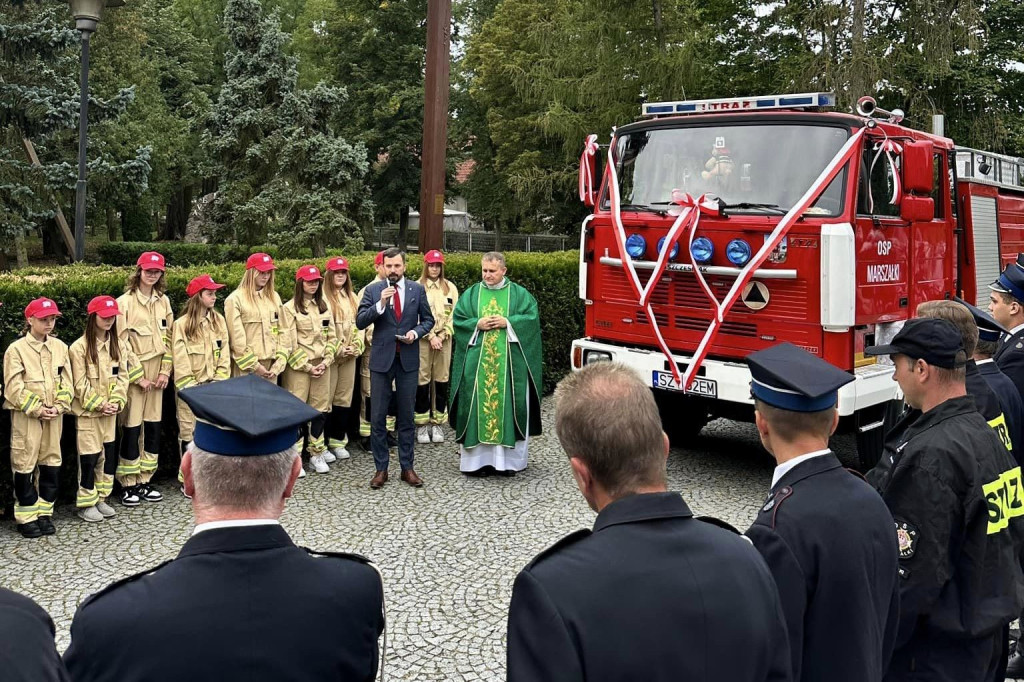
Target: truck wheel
[{"x": 682, "y": 418}]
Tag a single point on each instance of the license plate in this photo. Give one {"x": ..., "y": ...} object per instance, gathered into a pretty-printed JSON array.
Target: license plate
[{"x": 702, "y": 386}]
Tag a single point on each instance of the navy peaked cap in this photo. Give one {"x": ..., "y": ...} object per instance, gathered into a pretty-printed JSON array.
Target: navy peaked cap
[
  {"x": 246, "y": 415},
  {"x": 988, "y": 328},
  {"x": 790, "y": 378}
]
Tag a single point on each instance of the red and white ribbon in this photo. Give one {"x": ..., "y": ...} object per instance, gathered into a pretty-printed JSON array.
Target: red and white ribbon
[
  {"x": 588, "y": 164},
  {"x": 689, "y": 217},
  {"x": 889, "y": 148}
]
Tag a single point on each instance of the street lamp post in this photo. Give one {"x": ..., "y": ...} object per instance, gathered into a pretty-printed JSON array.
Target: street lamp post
[{"x": 87, "y": 15}]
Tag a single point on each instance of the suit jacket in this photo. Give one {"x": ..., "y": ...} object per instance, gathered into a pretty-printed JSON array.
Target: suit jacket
[
  {"x": 27, "y": 651},
  {"x": 831, "y": 544},
  {"x": 1010, "y": 358},
  {"x": 1012, "y": 403},
  {"x": 237, "y": 604},
  {"x": 651, "y": 594},
  {"x": 416, "y": 316}
]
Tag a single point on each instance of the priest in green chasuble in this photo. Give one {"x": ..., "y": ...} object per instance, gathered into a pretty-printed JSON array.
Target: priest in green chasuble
[{"x": 496, "y": 372}]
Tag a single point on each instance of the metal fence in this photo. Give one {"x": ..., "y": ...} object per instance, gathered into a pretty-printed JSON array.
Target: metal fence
[{"x": 480, "y": 242}]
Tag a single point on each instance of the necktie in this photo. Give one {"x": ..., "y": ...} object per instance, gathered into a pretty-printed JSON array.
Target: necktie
[{"x": 398, "y": 318}]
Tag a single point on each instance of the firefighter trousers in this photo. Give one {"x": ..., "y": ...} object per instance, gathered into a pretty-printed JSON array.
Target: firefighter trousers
[
  {"x": 315, "y": 392},
  {"x": 97, "y": 458},
  {"x": 35, "y": 449},
  {"x": 140, "y": 448},
  {"x": 343, "y": 382}
]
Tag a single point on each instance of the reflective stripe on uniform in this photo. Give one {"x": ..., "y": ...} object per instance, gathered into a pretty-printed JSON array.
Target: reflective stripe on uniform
[
  {"x": 246, "y": 361},
  {"x": 87, "y": 500}
]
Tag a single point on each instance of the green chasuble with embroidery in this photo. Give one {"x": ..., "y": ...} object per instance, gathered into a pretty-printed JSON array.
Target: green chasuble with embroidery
[{"x": 496, "y": 382}]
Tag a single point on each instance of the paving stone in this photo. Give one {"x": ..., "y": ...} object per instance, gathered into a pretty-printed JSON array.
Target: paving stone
[{"x": 449, "y": 552}]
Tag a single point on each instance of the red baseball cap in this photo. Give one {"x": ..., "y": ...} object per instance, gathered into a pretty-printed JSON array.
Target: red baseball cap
[
  {"x": 433, "y": 256},
  {"x": 307, "y": 273},
  {"x": 151, "y": 260},
  {"x": 261, "y": 262},
  {"x": 104, "y": 306},
  {"x": 201, "y": 283},
  {"x": 41, "y": 307},
  {"x": 338, "y": 263},
  {"x": 379, "y": 258}
]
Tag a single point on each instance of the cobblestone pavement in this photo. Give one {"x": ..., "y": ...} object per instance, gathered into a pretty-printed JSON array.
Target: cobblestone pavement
[{"x": 449, "y": 551}]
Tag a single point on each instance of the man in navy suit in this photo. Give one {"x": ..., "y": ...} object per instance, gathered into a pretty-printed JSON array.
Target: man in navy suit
[
  {"x": 241, "y": 601},
  {"x": 400, "y": 314}
]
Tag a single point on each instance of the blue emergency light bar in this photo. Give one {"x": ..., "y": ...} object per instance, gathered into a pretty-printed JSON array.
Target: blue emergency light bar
[{"x": 703, "y": 106}]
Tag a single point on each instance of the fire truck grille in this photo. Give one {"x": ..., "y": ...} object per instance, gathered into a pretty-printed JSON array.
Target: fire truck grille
[
  {"x": 788, "y": 298},
  {"x": 698, "y": 325}
]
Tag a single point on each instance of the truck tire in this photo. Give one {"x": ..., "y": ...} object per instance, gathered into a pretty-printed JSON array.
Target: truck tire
[{"x": 682, "y": 417}]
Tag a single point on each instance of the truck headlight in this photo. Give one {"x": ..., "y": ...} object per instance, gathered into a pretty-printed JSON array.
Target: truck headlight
[
  {"x": 593, "y": 356},
  {"x": 738, "y": 252},
  {"x": 636, "y": 246},
  {"x": 702, "y": 249}
]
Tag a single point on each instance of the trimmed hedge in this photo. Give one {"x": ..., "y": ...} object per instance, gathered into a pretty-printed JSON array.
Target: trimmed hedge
[
  {"x": 550, "y": 277},
  {"x": 183, "y": 254}
]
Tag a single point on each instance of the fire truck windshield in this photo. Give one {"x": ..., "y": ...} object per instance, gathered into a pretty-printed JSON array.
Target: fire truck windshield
[{"x": 755, "y": 166}]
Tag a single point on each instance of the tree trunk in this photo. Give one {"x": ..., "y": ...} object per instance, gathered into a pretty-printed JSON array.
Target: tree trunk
[
  {"x": 858, "y": 81},
  {"x": 403, "y": 227},
  {"x": 112, "y": 224},
  {"x": 19, "y": 247},
  {"x": 318, "y": 248},
  {"x": 658, "y": 32},
  {"x": 177, "y": 213}
]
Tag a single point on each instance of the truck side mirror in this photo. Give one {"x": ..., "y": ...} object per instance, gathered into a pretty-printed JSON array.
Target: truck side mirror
[
  {"x": 917, "y": 209},
  {"x": 918, "y": 167}
]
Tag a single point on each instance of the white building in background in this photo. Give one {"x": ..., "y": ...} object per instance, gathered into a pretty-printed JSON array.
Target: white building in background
[{"x": 456, "y": 211}]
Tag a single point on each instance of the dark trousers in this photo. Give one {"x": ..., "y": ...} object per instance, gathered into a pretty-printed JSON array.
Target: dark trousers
[{"x": 405, "y": 398}]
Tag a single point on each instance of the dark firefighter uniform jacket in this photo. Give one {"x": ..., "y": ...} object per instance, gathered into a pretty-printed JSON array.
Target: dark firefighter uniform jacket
[{"x": 957, "y": 499}]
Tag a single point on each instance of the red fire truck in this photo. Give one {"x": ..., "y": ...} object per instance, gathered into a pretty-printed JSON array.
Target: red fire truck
[{"x": 909, "y": 218}]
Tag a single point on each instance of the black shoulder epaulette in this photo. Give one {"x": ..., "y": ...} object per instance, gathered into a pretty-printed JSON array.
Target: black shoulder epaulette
[
  {"x": 338, "y": 555},
  {"x": 718, "y": 522},
  {"x": 775, "y": 501},
  {"x": 123, "y": 581},
  {"x": 564, "y": 542}
]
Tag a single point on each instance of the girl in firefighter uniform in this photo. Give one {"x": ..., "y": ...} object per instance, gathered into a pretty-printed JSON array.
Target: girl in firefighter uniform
[
  {"x": 200, "y": 348},
  {"x": 253, "y": 315},
  {"x": 343, "y": 303},
  {"x": 435, "y": 351},
  {"x": 38, "y": 385},
  {"x": 144, "y": 325},
  {"x": 307, "y": 324},
  {"x": 99, "y": 364}
]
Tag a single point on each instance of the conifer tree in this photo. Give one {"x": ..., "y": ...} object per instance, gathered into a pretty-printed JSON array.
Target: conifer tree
[
  {"x": 39, "y": 100},
  {"x": 285, "y": 173}
]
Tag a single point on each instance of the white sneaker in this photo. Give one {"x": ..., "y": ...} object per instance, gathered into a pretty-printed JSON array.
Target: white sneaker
[
  {"x": 302, "y": 473},
  {"x": 90, "y": 514},
  {"x": 329, "y": 457},
  {"x": 341, "y": 453},
  {"x": 436, "y": 434},
  {"x": 319, "y": 464},
  {"x": 423, "y": 434},
  {"x": 105, "y": 509}
]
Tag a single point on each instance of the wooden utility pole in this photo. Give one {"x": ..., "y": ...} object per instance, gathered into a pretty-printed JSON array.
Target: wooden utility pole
[
  {"x": 435, "y": 124},
  {"x": 62, "y": 223}
]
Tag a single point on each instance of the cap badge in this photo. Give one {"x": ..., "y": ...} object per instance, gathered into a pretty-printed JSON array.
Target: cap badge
[
  {"x": 46, "y": 304},
  {"x": 154, "y": 257}
]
